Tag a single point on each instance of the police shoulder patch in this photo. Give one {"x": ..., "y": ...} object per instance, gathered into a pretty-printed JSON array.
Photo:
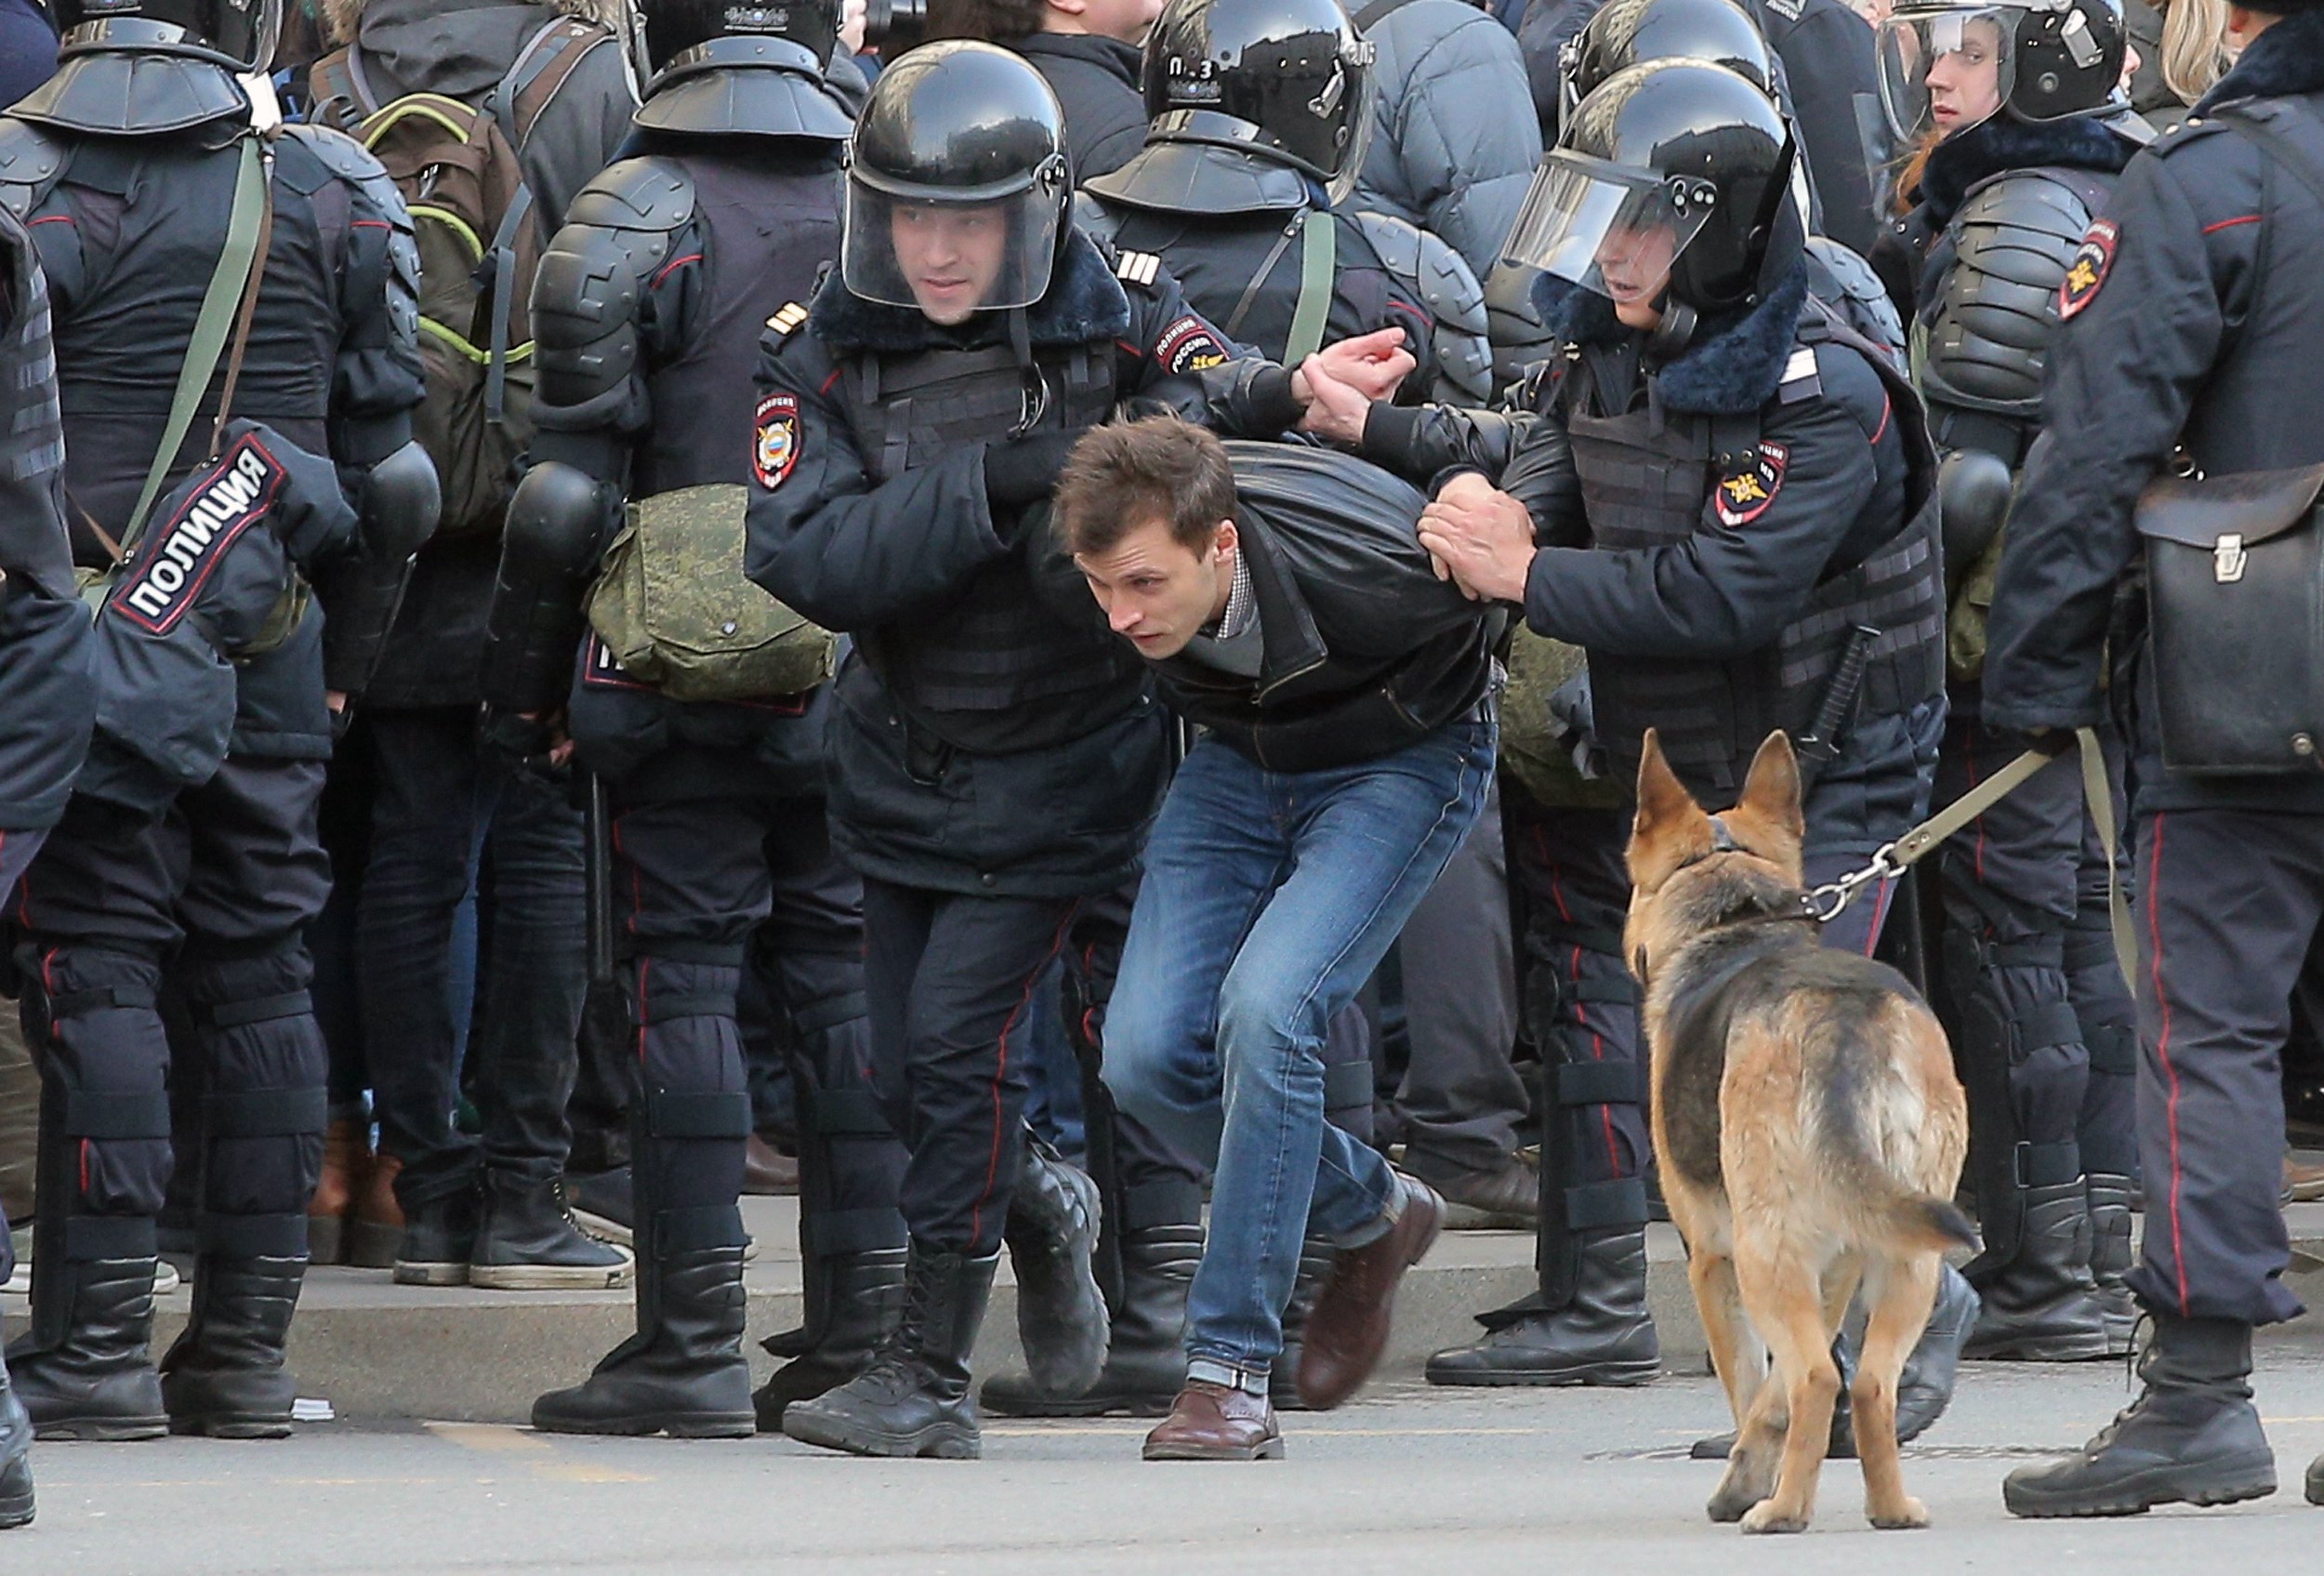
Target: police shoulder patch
[
  {"x": 1744, "y": 493},
  {"x": 774, "y": 442},
  {"x": 1189, "y": 345},
  {"x": 182, "y": 550},
  {"x": 2092, "y": 260}
]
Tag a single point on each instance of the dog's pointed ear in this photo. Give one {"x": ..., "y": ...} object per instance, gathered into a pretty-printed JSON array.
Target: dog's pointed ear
[
  {"x": 1772, "y": 790},
  {"x": 1664, "y": 806}
]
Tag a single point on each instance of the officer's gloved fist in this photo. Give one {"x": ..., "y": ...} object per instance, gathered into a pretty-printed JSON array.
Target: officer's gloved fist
[{"x": 1018, "y": 470}]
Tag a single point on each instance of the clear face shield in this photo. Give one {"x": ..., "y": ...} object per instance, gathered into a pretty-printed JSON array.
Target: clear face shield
[
  {"x": 1946, "y": 71},
  {"x": 954, "y": 258},
  {"x": 1607, "y": 228}
]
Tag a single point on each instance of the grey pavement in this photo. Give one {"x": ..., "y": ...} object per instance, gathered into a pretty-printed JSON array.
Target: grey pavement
[{"x": 1406, "y": 1480}]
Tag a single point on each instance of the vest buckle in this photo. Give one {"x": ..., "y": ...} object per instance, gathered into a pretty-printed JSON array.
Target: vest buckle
[{"x": 2227, "y": 560}]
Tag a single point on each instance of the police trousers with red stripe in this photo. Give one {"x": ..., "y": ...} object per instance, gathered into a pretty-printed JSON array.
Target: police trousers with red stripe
[
  {"x": 951, "y": 981},
  {"x": 2228, "y": 902},
  {"x": 216, "y": 891}
]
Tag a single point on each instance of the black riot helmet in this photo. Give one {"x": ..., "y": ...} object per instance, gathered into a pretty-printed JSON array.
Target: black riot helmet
[
  {"x": 1629, "y": 33},
  {"x": 240, "y": 37},
  {"x": 958, "y": 187},
  {"x": 752, "y": 67},
  {"x": 1288, "y": 79},
  {"x": 1674, "y": 166},
  {"x": 1946, "y": 65}
]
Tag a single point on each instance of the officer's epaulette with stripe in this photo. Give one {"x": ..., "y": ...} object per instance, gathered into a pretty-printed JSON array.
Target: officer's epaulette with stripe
[
  {"x": 788, "y": 317},
  {"x": 2192, "y": 129},
  {"x": 1800, "y": 380},
  {"x": 1137, "y": 268}
]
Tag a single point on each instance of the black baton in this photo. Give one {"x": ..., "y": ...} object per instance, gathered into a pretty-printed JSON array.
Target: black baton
[{"x": 1820, "y": 746}]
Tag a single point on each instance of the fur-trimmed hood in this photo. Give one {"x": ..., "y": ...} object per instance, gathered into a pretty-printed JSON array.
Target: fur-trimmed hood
[
  {"x": 1735, "y": 363},
  {"x": 1960, "y": 160},
  {"x": 1085, "y": 302},
  {"x": 2287, "y": 59}
]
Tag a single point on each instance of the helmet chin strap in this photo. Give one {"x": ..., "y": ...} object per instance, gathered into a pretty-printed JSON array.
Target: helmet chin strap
[{"x": 1671, "y": 333}]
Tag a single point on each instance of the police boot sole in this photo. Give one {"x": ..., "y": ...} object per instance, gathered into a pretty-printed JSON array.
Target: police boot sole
[
  {"x": 945, "y": 1441},
  {"x": 101, "y": 1430},
  {"x": 1613, "y": 1375},
  {"x": 2249, "y": 1475},
  {"x": 15, "y": 1513},
  {"x": 2090, "y": 1348},
  {"x": 549, "y": 1278},
  {"x": 233, "y": 1426},
  {"x": 1266, "y": 1449},
  {"x": 676, "y": 1424},
  {"x": 411, "y": 1273}
]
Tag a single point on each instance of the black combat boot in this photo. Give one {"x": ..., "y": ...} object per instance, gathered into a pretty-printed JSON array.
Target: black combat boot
[
  {"x": 2111, "y": 1258},
  {"x": 861, "y": 1299},
  {"x": 683, "y": 1372},
  {"x": 2192, "y": 1436},
  {"x": 1603, "y": 1336},
  {"x": 527, "y": 1240},
  {"x": 1145, "y": 1363},
  {"x": 1316, "y": 1258},
  {"x": 914, "y": 1398},
  {"x": 225, "y": 1376},
  {"x": 1052, "y": 1237},
  {"x": 2315, "y": 1481},
  {"x": 2042, "y": 1305},
  {"x": 87, "y": 1369},
  {"x": 15, "y": 1458}
]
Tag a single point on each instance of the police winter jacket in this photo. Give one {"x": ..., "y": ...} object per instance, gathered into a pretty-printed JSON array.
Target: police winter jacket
[
  {"x": 1454, "y": 141},
  {"x": 981, "y": 744},
  {"x": 2197, "y": 325},
  {"x": 1096, "y": 82},
  {"x": 1364, "y": 650}
]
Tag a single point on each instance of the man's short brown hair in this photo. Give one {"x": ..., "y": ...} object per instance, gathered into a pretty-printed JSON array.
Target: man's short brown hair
[{"x": 1124, "y": 476}]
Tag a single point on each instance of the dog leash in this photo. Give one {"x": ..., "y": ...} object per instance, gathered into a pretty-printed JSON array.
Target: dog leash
[{"x": 1825, "y": 902}]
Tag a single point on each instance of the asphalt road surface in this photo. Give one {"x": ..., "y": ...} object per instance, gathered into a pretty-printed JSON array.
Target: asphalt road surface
[{"x": 1407, "y": 1479}]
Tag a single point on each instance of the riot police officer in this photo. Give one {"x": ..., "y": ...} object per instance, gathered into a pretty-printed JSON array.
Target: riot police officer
[
  {"x": 1723, "y": 481},
  {"x": 48, "y": 683},
  {"x": 990, "y": 764},
  {"x": 189, "y": 841},
  {"x": 646, "y": 312},
  {"x": 2184, "y": 363},
  {"x": 2019, "y": 154}
]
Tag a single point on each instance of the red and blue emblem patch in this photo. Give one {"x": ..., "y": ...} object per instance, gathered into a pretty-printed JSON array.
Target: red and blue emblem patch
[
  {"x": 1188, "y": 345},
  {"x": 2094, "y": 260},
  {"x": 1744, "y": 496},
  {"x": 775, "y": 441}
]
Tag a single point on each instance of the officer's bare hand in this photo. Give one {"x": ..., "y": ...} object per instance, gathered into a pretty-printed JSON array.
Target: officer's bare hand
[
  {"x": 1482, "y": 535},
  {"x": 1373, "y": 364},
  {"x": 1336, "y": 410}
]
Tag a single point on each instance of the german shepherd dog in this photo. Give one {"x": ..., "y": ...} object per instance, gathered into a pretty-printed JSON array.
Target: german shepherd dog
[{"x": 1810, "y": 1132}]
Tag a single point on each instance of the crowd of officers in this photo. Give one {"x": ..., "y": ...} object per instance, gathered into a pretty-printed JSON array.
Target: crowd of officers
[{"x": 719, "y": 467}]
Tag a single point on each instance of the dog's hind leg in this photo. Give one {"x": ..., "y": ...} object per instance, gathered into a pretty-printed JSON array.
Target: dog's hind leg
[
  {"x": 1735, "y": 1352},
  {"x": 1784, "y": 1295},
  {"x": 1900, "y": 1294}
]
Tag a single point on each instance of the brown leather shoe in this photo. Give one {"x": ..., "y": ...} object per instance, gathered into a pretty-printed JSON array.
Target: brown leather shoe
[
  {"x": 1214, "y": 1423},
  {"x": 379, "y": 1218},
  {"x": 1348, "y": 1329},
  {"x": 346, "y": 1156},
  {"x": 767, "y": 1170}
]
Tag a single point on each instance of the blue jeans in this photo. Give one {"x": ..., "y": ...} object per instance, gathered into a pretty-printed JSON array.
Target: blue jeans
[{"x": 1269, "y": 898}]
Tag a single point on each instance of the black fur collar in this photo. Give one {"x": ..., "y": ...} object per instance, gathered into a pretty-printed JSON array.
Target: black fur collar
[
  {"x": 2287, "y": 59},
  {"x": 1960, "y": 160},
  {"x": 1084, "y": 303},
  {"x": 1735, "y": 363}
]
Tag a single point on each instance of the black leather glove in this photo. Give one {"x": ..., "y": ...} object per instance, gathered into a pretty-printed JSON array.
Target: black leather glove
[{"x": 1018, "y": 470}]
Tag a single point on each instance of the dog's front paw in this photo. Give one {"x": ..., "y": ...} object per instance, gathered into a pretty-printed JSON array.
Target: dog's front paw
[
  {"x": 1903, "y": 1515},
  {"x": 1766, "y": 1517},
  {"x": 1732, "y": 1500}
]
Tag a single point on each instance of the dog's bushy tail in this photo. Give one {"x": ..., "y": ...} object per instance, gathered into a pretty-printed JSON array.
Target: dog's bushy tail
[{"x": 1933, "y": 1222}]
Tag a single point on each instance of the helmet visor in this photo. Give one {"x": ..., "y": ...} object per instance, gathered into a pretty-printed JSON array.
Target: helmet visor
[
  {"x": 1606, "y": 227},
  {"x": 950, "y": 257},
  {"x": 1947, "y": 71}
]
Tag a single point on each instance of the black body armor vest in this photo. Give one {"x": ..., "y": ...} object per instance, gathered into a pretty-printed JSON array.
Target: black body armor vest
[
  {"x": 1644, "y": 477},
  {"x": 33, "y": 541}
]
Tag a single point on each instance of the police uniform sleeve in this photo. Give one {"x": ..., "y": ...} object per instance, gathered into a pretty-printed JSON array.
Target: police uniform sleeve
[
  {"x": 2141, "y": 327},
  {"x": 1173, "y": 349},
  {"x": 1775, "y": 519},
  {"x": 821, "y": 537}
]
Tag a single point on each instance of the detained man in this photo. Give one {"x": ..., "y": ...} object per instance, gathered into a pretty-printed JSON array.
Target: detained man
[{"x": 1346, "y": 694}]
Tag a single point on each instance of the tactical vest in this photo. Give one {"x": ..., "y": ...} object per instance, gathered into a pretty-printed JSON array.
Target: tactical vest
[
  {"x": 1646, "y": 476},
  {"x": 33, "y": 541},
  {"x": 969, "y": 672},
  {"x": 119, "y": 351},
  {"x": 760, "y": 231}
]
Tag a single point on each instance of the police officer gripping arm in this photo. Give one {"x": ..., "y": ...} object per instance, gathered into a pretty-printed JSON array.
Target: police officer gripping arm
[
  {"x": 990, "y": 764},
  {"x": 147, "y": 190},
  {"x": 2179, "y": 439}
]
